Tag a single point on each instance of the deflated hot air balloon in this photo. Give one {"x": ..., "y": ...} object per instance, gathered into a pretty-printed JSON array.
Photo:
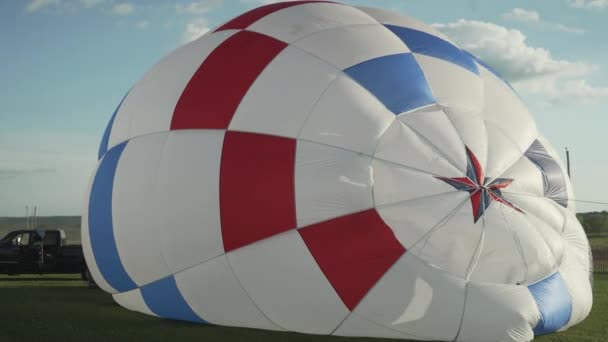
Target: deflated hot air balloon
[{"x": 328, "y": 169}]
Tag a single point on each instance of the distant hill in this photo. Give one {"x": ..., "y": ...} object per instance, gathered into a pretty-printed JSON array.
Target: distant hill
[
  {"x": 593, "y": 223},
  {"x": 70, "y": 224}
]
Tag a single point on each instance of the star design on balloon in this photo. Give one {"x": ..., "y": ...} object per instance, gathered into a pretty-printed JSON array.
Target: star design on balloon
[{"x": 483, "y": 190}]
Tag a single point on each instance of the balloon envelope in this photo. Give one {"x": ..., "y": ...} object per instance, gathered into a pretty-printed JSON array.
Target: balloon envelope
[{"x": 329, "y": 169}]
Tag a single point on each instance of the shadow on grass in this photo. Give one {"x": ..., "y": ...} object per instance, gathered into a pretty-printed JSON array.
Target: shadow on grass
[
  {"x": 35, "y": 312},
  {"x": 64, "y": 313}
]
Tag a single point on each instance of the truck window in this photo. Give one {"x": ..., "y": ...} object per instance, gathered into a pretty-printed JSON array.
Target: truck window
[
  {"x": 8, "y": 239},
  {"x": 21, "y": 240},
  {"x": 25, "y": 239}
]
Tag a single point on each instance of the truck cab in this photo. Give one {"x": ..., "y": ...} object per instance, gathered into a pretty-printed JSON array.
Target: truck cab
[{"x": 39, "y": 251}]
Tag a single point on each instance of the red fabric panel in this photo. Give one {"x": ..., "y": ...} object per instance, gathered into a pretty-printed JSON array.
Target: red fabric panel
[
  {"x": 477, "y": 166},
  {"x": 476, "y": 198},
  {"x": 257, "y": 189},
  {"x": 354, "y": 251},
  {"x": 217, "y": 87},
  {"x": 244, "y": 20}
]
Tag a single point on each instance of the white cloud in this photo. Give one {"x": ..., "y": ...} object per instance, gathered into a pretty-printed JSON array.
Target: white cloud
[
  {"x": 533, "y": 17},
  {"x": 598, "y": 4},
  {"x": 6, "y": 173},
  {"x": 36, "y": 5},
  {"x": 507, "y": 50},
  {"x": 123, "y": 8},
  {"x": 261, "y": 2},
  {"x": 198, "y": 7},
  {"x": 531, "y": 69},
  {"x": 91, "y": 3},
  {"x": 143, "y": 24},
  {"x": 576, "y": 89},
  {"x": 62, "y": 5},
  {"x": 195, "y": 29},
  {"x": 564, "y": 28},
  {"x": 521, "y": 14}
]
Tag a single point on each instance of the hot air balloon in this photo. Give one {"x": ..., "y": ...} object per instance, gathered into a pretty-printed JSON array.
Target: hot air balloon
[{"x": 329, "y": 169}]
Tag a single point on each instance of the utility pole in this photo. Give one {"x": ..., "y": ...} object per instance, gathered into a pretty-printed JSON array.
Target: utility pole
[{"x": 568, "y": 161}]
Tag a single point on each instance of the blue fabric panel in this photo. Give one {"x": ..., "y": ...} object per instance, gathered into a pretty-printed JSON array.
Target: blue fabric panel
[
  {"x": 554, "y": 303},
  {"x": 487, "y": 200},
  {"x": 101, "y": 230},
  {"x": 430, "y": 45},
  {"x": 165, "y": 300},
  {"x": 554, "y": 179},
  {"x": 103, "y": 146},
  {"x": 396, "y": 80},
  {"x": 471, "y": 172}
]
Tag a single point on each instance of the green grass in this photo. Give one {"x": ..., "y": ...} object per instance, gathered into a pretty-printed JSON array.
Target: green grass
[{"x": 61, "y": 308}]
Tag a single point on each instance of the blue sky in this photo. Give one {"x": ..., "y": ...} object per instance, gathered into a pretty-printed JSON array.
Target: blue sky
[{"x": 65, "y": 65}]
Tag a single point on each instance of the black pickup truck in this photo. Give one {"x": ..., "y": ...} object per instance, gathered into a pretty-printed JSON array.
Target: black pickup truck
[{"x": 39, "y": 252}]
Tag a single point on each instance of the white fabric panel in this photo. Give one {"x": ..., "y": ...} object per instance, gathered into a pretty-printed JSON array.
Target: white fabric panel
[
  {"x": 394, "y": 18},
  {"x": 121, "y": 126},
  {"x": 298, "y": 21},
  {"x": 472, "y": 130},
  {"x": 429, "y": 303},
  {"x": 501, "y": 260},
  {"x": 134, "y": 301},
  {"x": 574, "y": 236},
  {"x": 453, "y": 245},
  {"x": 281, "y": 98},
  {"x": 411, "y": 220},
  {"x": 149, "y": 106},
  {"x": 575, "y": 268},
  {"x": 356, "y": 325},
  {"x": 453, "y": 86},
  {"x": 502, "y": 107},
  {"x": 502, "y": 153},
  {"x": 433, "y": 124},
  {"x": 545, "y": 209},
  {"x": 285, "y": 282},
  {"x": 137, "y": 211},
  {"x": 330, "y": 182},
  {"x": 347, "y": 116},
  {"x": 401, "y": 145},
  {"x": 541, "y": 245},
  {"x": 215, "y": 294},
  {"x": 576, "y": 277},
  {"x": 508, "y": 313},
  {"x": 527, "y": 178},
  {"x": 188, "y": 195},
  {"x": 86, "y": 240},
  {"x": 346, "y": 46},
  {"x": 394, "y": 183}
]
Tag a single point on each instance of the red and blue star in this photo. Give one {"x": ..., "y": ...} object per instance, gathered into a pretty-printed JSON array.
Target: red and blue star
[{"x": 483, "y": 190}]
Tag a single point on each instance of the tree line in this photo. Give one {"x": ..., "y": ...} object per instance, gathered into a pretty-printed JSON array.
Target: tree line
[{"x": 595, "y": 222}]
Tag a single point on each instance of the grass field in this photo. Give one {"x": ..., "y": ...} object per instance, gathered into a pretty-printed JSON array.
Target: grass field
[{"x": 61, "y": 308}]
